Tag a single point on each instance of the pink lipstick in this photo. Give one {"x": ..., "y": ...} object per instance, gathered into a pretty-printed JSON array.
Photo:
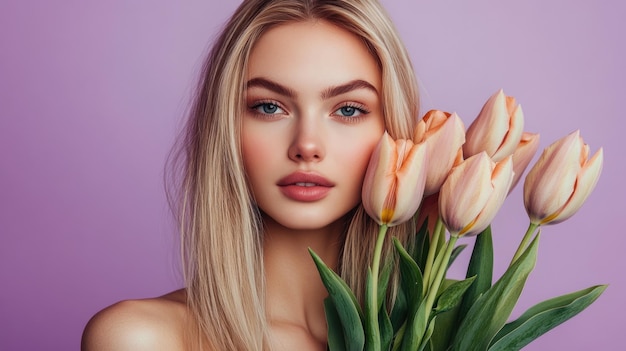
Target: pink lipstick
[{"x": 305, "y": 187}]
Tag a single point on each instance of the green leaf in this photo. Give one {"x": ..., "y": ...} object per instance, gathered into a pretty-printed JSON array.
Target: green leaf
[
  {"x": 336, "y": 340},
  {"x": 415, "y": 328},
  {"x": 411, "y": 282},
  {"x": 491, "y": 310},
  {"x": 455, "y": 253},
  {"x": 346, "y": 305},
  {"x": 372, "y": 333},
  {"x": 429, "y": 332},
  {"x": 452, "y": 295},
  {"x": 399, "y": 310},
  {"x": 410, "y": 278},
  {"x": 386, "y": 329},
  {"x": 398, "y": 337},
  {"x": 419, "y": 251},
  {"x": 383, "y": 281},
  {"x": 481, "y": 267},
  {"x": 444, "y": 330},
  {"x": 543, "y": 317}
]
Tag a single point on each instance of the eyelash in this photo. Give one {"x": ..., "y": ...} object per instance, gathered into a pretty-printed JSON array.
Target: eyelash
[
  {"x": 254, "y": 108},
  {"x": 360, "y": 108}
]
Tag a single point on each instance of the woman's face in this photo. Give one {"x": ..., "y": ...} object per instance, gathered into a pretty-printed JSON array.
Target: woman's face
[{"x": 312, "y": 120}]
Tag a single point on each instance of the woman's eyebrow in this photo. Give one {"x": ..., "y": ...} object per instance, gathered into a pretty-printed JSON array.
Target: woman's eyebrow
[
  {"x": 270, "y": 85},
  {"x": 326, "y": 94},
  {"x": 347, "y": 87}
]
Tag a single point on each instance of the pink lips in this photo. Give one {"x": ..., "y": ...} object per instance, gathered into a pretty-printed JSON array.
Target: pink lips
[{"x": 305, "y": 187}]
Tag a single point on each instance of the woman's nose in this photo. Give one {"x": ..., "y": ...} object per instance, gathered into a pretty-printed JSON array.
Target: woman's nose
[{"x": 307, "y": 144}]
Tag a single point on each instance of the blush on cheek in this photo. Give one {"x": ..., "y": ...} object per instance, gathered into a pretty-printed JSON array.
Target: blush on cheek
[
  {"x": 358, "y": 159},
  {"x": 254, "y": 158},
  {"x": 256, "y": 141},
  {"x": 366, "y": 154}
]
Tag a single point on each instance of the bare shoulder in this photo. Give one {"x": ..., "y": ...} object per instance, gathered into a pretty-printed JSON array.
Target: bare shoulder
[{"x": 147, "y": 324}]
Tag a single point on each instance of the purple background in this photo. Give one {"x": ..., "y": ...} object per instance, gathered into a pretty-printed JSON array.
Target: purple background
[{"x": 91, "y": 97}]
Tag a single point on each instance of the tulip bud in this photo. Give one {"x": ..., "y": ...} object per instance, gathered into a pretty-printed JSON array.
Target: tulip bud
[
  {"x": 497, "y": 130},
  {"x": 394, "y": 181},
  {"x": 473, "y": 193},
  {"x": 561, "y": 180},
  {"x": 445, "y": 134},
  {"x": 523, "y": 154}
]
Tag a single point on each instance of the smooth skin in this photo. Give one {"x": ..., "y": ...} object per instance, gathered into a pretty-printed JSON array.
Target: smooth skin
[{"x": 313, "y": 107}]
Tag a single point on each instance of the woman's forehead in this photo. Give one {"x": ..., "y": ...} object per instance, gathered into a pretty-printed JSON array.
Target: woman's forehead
[{"x": 308, "y": 54}]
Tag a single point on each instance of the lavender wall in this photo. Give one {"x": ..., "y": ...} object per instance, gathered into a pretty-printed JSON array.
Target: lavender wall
[{"x": 91, "y": 96}]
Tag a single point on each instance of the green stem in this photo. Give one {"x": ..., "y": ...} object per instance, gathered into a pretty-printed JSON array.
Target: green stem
[
  {"x": 432, "y": 250},
  {"x": 377, "y": 253},
  {"x": 373, "y": 299},
  {"x": 532, "y": 227},
  {"x": 441, "y": 270},
  {"x": 397, "y": 342}
]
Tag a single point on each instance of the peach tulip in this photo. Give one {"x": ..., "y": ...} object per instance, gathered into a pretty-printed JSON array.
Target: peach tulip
[
  {"x": 394, "y": 181},
  {"x": 523, "y": 154},
  {"x": 473, "y": 193},
  {"x": 445, "y": 134},
  {"x": 497, "y": 130},
  {"x": 561, "y": 180}
]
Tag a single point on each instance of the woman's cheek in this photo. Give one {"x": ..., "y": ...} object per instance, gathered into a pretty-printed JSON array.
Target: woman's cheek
[{"x": 257, "y": 151}]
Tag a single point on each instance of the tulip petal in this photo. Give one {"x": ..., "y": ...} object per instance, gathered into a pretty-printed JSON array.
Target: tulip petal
[
  {"x": 465, "y": 192},
  {"x": 444, "y": 142},
  {"x": 394, "y": 180},
  {"x": 402, "y": 150},
  {"x": 489, "y": 128},
  {"x": 514, "y": 135},
  {"x": 551, "y": 181},
  {"x": 497, "y": 129},
  {"x": 586, "y": 182},
  {"x": 524, "y": 153},
  {"x": 411, "y": 178},
  {"x": 379, "y": 177},
  {"x": 501, "y": 179}
]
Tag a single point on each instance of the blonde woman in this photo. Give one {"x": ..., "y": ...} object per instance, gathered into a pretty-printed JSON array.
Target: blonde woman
[{"x": 293, "y": 98}]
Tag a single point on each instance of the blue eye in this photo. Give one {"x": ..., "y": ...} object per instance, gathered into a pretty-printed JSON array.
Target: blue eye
[
  {"x": 351, "y": 111},
  {"x": 267, "y": 108},
  {"x": 348, "y": 111}
]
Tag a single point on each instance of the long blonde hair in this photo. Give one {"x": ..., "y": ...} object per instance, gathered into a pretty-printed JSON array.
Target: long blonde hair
[{"x": 221, "y": 231}]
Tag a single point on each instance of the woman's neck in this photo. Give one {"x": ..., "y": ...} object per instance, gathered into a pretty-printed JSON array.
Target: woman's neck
[{"x": 294, "y": 291}]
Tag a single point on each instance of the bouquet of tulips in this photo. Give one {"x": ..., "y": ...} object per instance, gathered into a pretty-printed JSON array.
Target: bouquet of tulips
[{"x": 455, "y": 181}]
